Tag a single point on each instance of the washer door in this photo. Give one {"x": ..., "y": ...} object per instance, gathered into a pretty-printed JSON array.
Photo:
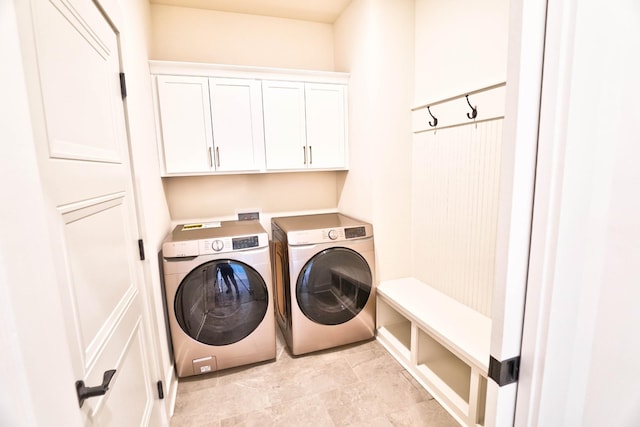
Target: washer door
[
  {"x": 221, "y": 302},
  {"x": 334, "y": 286}
]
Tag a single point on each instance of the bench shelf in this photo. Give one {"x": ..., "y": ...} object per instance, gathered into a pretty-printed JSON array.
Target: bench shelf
[{"x": 440, "y": 341}]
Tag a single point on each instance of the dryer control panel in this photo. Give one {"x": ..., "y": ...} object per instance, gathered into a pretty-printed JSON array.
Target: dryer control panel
[
  {"x": 322, "y": 228},
  {"x": 337, "y": 234},
  {"x": 354, "y": 232}
]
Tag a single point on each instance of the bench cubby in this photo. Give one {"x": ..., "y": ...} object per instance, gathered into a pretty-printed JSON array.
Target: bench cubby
[{"x": 441, "y": 342}]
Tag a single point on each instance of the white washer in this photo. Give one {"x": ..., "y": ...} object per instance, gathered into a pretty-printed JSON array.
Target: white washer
[
  {"x": 217, "y": 279},
  {"x": 324, "y": 280}
]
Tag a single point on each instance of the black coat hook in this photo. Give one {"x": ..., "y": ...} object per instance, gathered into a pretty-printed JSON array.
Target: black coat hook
[
  {"x": 474, "y": 110},
  {"x": 435, "y": 121}
]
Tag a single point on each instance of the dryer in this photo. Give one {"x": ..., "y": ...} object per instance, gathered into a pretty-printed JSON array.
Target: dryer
[
  {"x": 324, "y": 280},
  {"x": 217, "y": 278}
]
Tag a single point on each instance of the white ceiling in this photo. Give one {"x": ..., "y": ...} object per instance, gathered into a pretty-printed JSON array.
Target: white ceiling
[{"x": 308, "y": 10}]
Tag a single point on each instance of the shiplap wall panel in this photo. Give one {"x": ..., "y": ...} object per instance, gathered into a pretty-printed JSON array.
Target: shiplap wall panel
[{"x": 455, "y": 208}]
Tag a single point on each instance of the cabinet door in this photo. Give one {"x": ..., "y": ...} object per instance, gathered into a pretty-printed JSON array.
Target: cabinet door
[
  {"x": 326, "y": 125},
  {"x": 236, "y": 109},
  {"x": 284, "y": 125},
  {"x": 185, "y": 122}
]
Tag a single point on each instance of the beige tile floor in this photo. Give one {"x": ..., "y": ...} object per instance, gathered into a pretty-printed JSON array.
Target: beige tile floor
[{"x": 355, "y": 385}]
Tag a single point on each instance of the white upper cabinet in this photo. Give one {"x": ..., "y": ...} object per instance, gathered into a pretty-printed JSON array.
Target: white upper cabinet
[
  {"x": 210, "y": 125},
  {"x": 305, "y": 125},
  {"x": 326, "y": 125},
  {"x": 284, "y": 125},
  {"x": 236, "y": 111},
  {"x": 214, "y": 119},
  {"x": 185, "y": 123}
]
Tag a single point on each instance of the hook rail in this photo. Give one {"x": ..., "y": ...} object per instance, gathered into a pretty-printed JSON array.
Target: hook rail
[{"x": 462, "y": 95}]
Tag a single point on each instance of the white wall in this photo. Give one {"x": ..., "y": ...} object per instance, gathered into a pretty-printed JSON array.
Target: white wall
[
  {"x": 198, "y": 35},
  {"x": 374, "y": 42},
  {"x": 580, "y": 346},
  {"x": 316, "y": 190},
  {"x": 353, "y": 54},
  {"x": 461, "y": 45}
]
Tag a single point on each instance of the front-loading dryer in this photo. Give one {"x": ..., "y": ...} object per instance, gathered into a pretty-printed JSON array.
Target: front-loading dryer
[
  {"x": 217, "y": 278},
  {"x": 324, "y": 280}
]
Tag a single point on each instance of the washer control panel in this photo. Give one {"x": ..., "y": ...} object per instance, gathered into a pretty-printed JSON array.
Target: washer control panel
[
  {"x": 212, "y": 238},
  {"x": 230, "y": 244},
  {"x": 190, "y": 248}
]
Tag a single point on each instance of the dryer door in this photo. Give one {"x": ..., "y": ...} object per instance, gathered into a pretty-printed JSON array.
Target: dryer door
[
  {"x": 334, "y": 286},
  {"x": 221, "y": 302}
]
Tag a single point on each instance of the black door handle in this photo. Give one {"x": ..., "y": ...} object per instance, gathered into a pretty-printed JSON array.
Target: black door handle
[{"x": 87, "y": 392}]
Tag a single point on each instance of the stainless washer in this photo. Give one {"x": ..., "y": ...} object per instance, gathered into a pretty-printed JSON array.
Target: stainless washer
[
  {"x": 324, "y": 280},
  {"x": 219, "y": 295}
]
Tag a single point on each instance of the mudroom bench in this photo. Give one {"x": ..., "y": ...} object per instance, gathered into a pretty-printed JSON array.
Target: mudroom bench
[{"x": 441, "y": 342}]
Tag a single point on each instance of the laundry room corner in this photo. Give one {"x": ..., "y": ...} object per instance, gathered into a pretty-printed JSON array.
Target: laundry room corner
[{"x": 374, "y": 41}]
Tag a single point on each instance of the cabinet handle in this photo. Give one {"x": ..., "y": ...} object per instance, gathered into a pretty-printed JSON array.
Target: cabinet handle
[
  {"x": 210, "y": 158},
  {"x": 218, "y": 156},
  {"x": 304, "y": 152},
  {"x": 310, "y": 155}
]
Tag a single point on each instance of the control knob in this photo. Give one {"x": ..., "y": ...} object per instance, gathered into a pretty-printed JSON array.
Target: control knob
[
  {"x": 333, "y": 234},
  {"x": 217, "y": 245}
]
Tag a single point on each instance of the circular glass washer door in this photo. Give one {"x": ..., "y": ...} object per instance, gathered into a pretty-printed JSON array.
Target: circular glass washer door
[
  {"x": 221, "y": 302},
  {"x": 334, "y": 286}
]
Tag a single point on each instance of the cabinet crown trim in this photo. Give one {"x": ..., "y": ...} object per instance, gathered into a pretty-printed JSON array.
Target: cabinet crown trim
[{"x": 244, "y": 71}]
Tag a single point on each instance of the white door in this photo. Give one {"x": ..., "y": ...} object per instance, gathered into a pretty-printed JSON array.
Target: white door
[
  {"x": 185, "y": 119},
  {"x": 238, "y": 136},
  {"x": 580, "y": 346},
  {"x": 284, "y": 125},
  {"x": 84, "y": 166},
  {"x": 326, "y": 125}
]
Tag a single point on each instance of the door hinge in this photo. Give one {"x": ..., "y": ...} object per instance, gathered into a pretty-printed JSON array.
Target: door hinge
[
  {"x": 505, "y": 372},
  {"x": 141, "y": 249},
  {"x": 160, "y": 390},
  {"x": 123, "y": 86}
]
